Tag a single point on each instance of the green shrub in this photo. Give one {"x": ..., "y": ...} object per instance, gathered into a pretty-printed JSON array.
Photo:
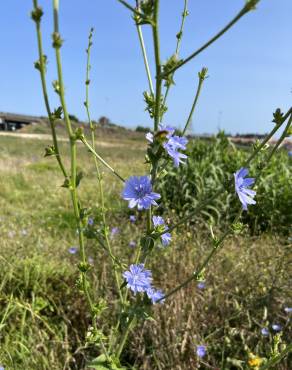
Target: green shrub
[
  {"x": 142, "y": 129},
  {"x": 210, "y": 163}
]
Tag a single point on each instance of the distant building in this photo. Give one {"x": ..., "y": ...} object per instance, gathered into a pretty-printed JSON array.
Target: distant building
[{"x": 13, "y": 122}]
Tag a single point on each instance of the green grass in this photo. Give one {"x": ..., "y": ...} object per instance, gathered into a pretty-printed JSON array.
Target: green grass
[{"x": 43, "y": 316}]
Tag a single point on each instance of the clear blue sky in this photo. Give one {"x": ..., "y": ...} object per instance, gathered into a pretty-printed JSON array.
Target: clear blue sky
[{"x": 250, "y": 67}]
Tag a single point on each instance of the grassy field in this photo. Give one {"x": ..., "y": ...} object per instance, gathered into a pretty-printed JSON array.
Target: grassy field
[{"x": 43, "y": 317}]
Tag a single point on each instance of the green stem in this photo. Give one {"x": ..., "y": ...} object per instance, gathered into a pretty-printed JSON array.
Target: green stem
[
  {"x": 126, "y": 332},
  {"x": 99, "y": 177},
  {"x": 45, "y": 92},
  {"x": 73, "y": 189},
  {"x": 200, "y": 84},
  {"x": 180, "y": 33},
  {"x": 145, "y": 58},
  {"x": 281, "y": 139},
  {"x": 178, "y": 43},
  {"x": 92, "y": 150},
  {"x": 149, "y": 220},
  {"x": 271, "y": 134},
  {"x": 242, "y": 12},
  {"x": 155, "y": 32}
]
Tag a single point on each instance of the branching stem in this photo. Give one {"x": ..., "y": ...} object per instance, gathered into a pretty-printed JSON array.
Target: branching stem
[{"x": 241, "y": 13}]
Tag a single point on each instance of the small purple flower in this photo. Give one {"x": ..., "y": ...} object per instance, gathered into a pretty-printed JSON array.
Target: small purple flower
[
  {"x": 138, "y": 192},
  {"x": 166, "y": 239},
  {"x": 72, "y": 250},
  {"x": 132, "y": 244},
  {"x": 288, "y": 309},
  {"x": 241, "y": 186},
  {"x": 138, "y": 279},
  {"x": 155, "y": 295},
  {"x": 201, "y": 285},
  {"x": 2, "y": 367},
  {"x": 276, "y": 327},
  {"x": 160, "y": 226},
  {"x": 132, "y": 218},
  {"x": 158, "y": 221},
  {"x": 290, "y": 153},
  {"x": 149, "y": 137},
  {"x": 114, "y": 231},
  {"x": 201, "y": 351},
  {"x": 90, "y": 221},
  {"x": 265, "y": 332}
]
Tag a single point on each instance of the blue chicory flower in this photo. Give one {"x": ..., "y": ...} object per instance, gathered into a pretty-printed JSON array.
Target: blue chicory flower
[
  {"x": 172, "y": 146},
  {"x": 2, "y": 367},
  {"x": 90, "y": 221},
  {"x": 290, "y": 153},
  {"x": 132, "y": 218},
  {"x": 138, "y": 279},
  {"x": 138, "y": 192},
  {"x": 132, "y": 244},
  {"x": 241, "y": 186},
  {"x": 201, "y": 284},
  {"x": 178, "y": 142},
  {"x": 155, "y": 295},
  {"x": 72, "y": 250},
  {"x": 158, "y": 221},
  {"x": 276, "y": 327},
  {"x": 265, "y": 332},
  {"x": 288, "y": 309},
  {"x": 201, "y": 351}
]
